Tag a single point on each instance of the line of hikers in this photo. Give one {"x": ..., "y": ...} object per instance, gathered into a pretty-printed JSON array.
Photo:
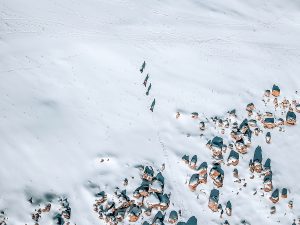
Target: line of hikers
[{"x": 149, "y": 87}]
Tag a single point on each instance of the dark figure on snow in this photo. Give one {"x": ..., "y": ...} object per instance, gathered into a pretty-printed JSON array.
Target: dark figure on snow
[
  {"x": 152, "y": 105},
  {"x": 147, "y": 93},
  {"x": 146, "y": 79},
  {"x": 143, "y": 67}
]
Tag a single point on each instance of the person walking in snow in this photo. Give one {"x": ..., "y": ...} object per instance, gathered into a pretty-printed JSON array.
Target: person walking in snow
[
  {"x": 147, "y": 93},
  {"x": 143, "y": 67},
  {"x": 152, "y": 105},
  {"x": 146, "y": 79}
]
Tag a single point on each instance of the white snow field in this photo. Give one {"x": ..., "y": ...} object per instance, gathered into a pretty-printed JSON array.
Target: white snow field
[{"x": 72, "y": 94}]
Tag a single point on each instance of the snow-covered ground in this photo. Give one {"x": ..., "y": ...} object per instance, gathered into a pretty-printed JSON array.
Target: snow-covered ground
[{"x": 72, "y": 94}]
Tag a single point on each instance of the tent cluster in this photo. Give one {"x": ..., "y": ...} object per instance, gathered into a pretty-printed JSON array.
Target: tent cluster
[{"x": 147, "y": 198}]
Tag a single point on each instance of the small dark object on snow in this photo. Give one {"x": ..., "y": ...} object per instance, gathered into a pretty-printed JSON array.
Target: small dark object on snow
[
  {"x": 186, "y": 159},
  {"x": 145, "y": 81},
  {"x": 275, "y": 196},
  {"x": 149, "y": 88},
  {"x": 173, "y": 217},
  {"x": 275, "y": 91},
  {"x": 143, "y": 67},
  {"x": 268, "y": 137},
  {"x": 152, "y": 105},
  {"x": 284, "y": 193}
]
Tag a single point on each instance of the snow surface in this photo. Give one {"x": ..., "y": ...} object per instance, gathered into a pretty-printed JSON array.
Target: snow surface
[{"x": 72, "y": 94}]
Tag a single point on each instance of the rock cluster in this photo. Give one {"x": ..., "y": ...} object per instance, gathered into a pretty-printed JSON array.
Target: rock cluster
[
  {"x": 146, "y": 200},
  {"x": 241, "y": 134},
  {"x": 61, "y": 213}
]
